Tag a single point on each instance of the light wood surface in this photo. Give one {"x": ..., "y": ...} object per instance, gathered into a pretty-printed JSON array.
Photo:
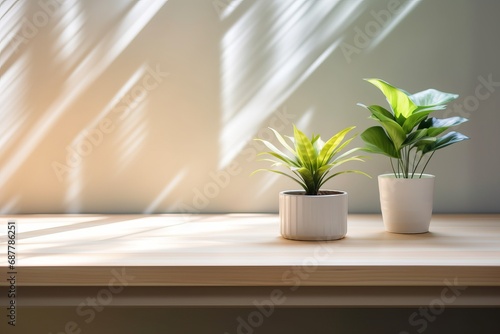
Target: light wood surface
[{"x": 246, "y": 250}]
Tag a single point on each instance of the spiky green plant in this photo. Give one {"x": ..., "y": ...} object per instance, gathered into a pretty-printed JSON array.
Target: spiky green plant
[
  {"x": 309, "y": 161},
  {"x": 406, "y": 133}
]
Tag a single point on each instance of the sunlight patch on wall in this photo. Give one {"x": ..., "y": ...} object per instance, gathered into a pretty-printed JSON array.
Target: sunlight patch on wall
[
  {"x": 68, "y": 47},
  {"x": 13, "y": 78},
  {"x": 74, "y": 189},
  {"x": 86, "y": 73},
  {"x": 131, "y": 135},
  {"x": 305, "y": 121},
  {"x": 116, "y": 99},
  {"x": 11, "y": 14},
  {"x": 225, "y": 7},
  {"x": 169, "y": 187},
  {"x": 267, "y": 54},
  {"x": 116, "y": 41},
  {"x": 75, "y": 175},
  {"x": 402, "y": 13},
  {"x": 10, "y": 206},
  {"x": 13, "y": 111},
  {"x": 6, "y": 6}
]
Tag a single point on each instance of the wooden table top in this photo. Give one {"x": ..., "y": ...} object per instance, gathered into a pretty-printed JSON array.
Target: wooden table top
[{"x": 246, "y": 250}]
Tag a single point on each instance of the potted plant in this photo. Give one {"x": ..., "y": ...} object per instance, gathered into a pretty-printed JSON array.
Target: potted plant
[
  {"x": 311, "y": 213},
  {"x": 409, "y": 137}
]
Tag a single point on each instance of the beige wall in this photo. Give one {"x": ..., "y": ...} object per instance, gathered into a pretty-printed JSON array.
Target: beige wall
[{"x": 160, "y": 100}]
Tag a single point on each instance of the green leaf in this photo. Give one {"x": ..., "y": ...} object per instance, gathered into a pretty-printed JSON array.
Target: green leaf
[
  {"x": 345, "y": 154},
  {"x": 395, "y": 132},
  {"x": 393, "y": 129},
  {"x": 304, "y": 148},
  {"x": 415, "y": 119},
  {"x": 273, "y": 148},
  {"x": 305, "y": 174},
  {"x": 399, "y": 100},
  {"x": 432, "y": 97},
  {"x": 283, "y": 158},
  {"x": 381, "y": 114},
  {"x": 379, "y": 109},
  {"x": 283, "y": 141},
  {"x": 437, "y": 126},
  {"x": 314, "y": 139},
  {"x": 339, "y": 162},
  {"x": 340, "y": 148},
  {"x": 444, "y": 141},
  {"x": 318, "y": 146},
  {"x": 329, "y": 149},
  {"x": 415, "y": 137},
  {"x": 429, "y": 108},
  {"x": 378, "y": 142}
]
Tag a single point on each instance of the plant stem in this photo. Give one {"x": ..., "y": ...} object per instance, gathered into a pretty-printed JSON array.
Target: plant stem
[
  {"x": 392, "y": 166},
  {"x": 418, "y": 163},
  {"x": 403, "y": 159},
  {"x": 426, "y": 163},
  {"x": 402, "y": 167},
  {"x": 407, "y": 169}
]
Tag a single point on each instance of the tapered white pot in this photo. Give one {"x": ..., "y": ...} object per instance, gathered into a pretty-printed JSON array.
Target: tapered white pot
[
  {"x": 406, "y": 203},
  {"x": 319, "y": 217}
]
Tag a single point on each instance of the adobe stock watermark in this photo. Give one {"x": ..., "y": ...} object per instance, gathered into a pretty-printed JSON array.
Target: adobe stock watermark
[
  {"x": 364, "y": 36},
  {"x": 219, "y": 180},
  {"x": 421, "y": 318},
  {"x": 87, "y": 309},
  {"x": 293, "y": 279},
  {"x": 483, "y": 91},
  {"x": 30, "y": 26},
  {"x": 93, "y": 138}
]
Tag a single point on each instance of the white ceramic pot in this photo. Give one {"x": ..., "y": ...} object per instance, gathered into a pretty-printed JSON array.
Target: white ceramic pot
[
  {"x": 319, "y": 217},
  {"x": 406, "y": 203}
]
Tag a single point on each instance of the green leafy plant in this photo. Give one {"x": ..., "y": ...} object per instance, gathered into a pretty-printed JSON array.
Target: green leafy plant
[
  {"x": 310, "y": 161},
  {"x": 406, "y": 132}
]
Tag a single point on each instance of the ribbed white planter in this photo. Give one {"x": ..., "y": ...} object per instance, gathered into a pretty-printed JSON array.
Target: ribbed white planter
[
  {"x": 319, "y": 217},
  {"x": 406, "y": 204}
]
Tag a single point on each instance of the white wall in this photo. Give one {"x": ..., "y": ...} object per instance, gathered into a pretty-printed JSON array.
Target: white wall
[{"x": 173, "y": 92}]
